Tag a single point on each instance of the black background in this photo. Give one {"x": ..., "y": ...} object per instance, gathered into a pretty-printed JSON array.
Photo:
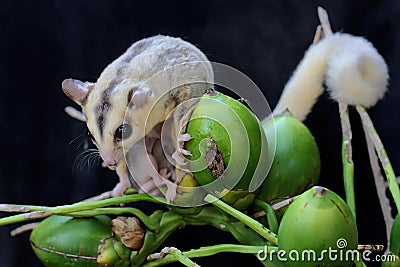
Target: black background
[{"x": 44, "y": 42}]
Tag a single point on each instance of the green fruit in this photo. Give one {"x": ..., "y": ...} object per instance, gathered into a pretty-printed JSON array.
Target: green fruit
[
  {"x": 62, "y": 241},
  {"x": 113, "y": 253},
  {"x": 296, "y": 164},
  {"x": 227, "y": 144},
  {"x": 395, "y": 236},
  {"x": 318, "y": 220}
]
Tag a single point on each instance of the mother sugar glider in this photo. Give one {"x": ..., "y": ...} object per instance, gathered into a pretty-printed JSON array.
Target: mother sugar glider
[
  {"x": 350, "y": 66},
  {"x": 135, "y": 93}
]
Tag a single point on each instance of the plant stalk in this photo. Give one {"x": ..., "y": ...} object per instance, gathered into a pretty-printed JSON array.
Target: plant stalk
[{"x": 253, "y": 224}]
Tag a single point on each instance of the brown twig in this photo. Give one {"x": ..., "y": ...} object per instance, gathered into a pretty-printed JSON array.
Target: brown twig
[
  {"x": 380, "y": 184},
  {"x": 22, "y": 229},
  {"x": 13, "y": 208}
]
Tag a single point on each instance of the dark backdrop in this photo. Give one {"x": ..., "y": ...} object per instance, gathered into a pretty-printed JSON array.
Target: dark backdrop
[{"x": 43, "y": 42}]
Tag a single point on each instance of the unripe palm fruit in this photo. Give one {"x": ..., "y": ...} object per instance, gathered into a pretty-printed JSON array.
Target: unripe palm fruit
[
  {"x": 227, "y": 144},
  {"x": 318, "y": 220},
  {"x": 63, "y": 241},
  {"x": 296, "y": 164}
]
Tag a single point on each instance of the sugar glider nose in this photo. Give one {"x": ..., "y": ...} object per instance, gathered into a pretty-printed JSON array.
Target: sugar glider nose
[
  {"x": 111, "y": 162},
  {"x": 112, "y": 165}
]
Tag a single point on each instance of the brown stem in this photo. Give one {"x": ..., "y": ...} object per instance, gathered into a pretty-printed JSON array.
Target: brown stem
[{"x": 22, "y": 229}]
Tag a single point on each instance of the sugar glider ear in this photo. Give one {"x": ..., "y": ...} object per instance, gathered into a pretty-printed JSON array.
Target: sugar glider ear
[
  {"x": 137, "y": 97},
  {"x": 76, "y": 89}
]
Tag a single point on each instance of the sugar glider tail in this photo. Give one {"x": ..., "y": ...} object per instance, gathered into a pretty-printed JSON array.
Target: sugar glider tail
[{"x": 350, "y": 67}]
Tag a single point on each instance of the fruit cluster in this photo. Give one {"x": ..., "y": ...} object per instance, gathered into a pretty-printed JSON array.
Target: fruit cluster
[{"x": 298, "y": 222}]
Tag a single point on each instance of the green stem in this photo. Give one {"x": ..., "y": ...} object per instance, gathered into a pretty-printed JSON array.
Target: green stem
[
  {"x": 67, "y": 209},
  {"x": 179, "y": 217},
  {"x": 253, "y": 224},
  {"x": 270, "y": 213},
  {"x": 148, "y": 222},
  {"x": 168, "y": 223},
  {"x": 177, "y": 256},
  {"x": 348, "y": 176},
  {"x": 347, "y": 160},
  {"x": 382, "y": 155},
  {"x": 23, "y": 217},
  {"x": 209, "y": 251}
]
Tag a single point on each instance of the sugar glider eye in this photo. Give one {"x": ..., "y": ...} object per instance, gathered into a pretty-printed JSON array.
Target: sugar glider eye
[{"x": 124, "y": 131}]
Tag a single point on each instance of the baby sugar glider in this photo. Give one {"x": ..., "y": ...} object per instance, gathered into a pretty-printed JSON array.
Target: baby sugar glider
[{"x": 132, "y": 96}]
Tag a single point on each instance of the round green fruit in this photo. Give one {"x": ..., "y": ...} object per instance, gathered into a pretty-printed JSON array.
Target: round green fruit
[
  {"x": 227, "y": 144},
  {"x": 67, "y": 241},
  {"x": 296, "y": 164},
  {"x": 317, "y": 222}
]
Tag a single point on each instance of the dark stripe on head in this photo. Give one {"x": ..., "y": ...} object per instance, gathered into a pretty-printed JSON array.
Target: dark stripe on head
[
  {"x": 129, "y": 97},
  {"x": 84, "y": 100},
  {"x": 103, "y": 109}
]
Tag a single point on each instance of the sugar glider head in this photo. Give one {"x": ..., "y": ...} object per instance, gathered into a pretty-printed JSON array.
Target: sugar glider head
[{"x": 108, "y": 115}]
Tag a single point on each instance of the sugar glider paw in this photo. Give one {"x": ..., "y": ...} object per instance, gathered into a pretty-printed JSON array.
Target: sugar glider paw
[
  {"x": 180, "y": 151},
  {"x": 185, "y": 152},
  {"x": 120, "y": 188},
  {"x": 184, "y": 138},
  {"x": 171, "y": 192},
  {"x": 177, "y": 156}
]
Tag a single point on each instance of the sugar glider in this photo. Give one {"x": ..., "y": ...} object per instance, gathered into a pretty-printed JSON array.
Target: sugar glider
[{"x": 132, "y": 96}]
